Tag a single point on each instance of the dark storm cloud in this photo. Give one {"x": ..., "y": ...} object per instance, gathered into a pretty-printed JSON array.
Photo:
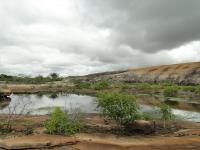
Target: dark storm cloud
[{"x": 148, "y": 25}]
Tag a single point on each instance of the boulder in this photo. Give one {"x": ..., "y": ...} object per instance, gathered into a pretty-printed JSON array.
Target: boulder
[{"x": 144, "y": 126}]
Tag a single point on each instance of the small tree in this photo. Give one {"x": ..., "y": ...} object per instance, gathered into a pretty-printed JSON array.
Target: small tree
[
  {"x": 120, "y": 107},
  {"x": 166, "y": 113},
  {"x": 54, "y": 76}
]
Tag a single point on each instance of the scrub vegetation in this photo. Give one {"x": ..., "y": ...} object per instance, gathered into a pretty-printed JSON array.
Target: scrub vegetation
[
  {"x": 171, "y": 91},
  {"x": 30, "y": 80},
  {"x": 99, "y": 85},
  {"x": 61, "y": 123},
  {"x": 166, "y": 113},
  {"x": 121, "y": 108}
]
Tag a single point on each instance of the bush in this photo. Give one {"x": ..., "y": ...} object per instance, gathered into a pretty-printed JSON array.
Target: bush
[
  {"x": 100, "y": 85},
  {"x": 28, "y": 80},
  {"x": 188, "y": 88},
  {"x": 61, "y": 123},
  {"x": 170, "y": 91},
  {"x": 28, "y": 130},
  {"x": 197, "y": 90},
  {"x": 166, "y": 113},
  {"x": 142, "y": 86},
  {"x": 54, "y": 76},
  {"x": 126, "y": 86},
  {"x": 119, "y": 107},
  {"x": 53, "y": 95},
  {"x": 83, "y": 85},
  {"x": 146, "y": 116}
]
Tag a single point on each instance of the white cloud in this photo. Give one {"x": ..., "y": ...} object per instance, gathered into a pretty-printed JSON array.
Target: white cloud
[
  {"x": 189, "y": 52},
  {"x": 77, "y": 37}
]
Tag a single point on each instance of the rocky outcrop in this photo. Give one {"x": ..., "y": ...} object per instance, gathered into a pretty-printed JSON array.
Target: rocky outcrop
[{"x": 184, "y": 74}]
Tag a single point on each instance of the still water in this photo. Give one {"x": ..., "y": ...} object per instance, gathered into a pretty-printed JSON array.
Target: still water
[{"x": 41, "y": 105}]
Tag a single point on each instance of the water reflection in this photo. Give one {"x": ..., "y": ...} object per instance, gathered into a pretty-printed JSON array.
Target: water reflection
[
  {"x": 179, "y": 114},
  {"x": 44, "y": 104}
]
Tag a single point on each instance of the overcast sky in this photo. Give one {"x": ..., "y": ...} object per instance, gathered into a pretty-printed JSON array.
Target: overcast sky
[{"x": 77, "y": 37}]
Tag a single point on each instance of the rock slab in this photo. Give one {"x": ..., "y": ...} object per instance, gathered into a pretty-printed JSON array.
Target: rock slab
[{"x": 37, "y": 141}]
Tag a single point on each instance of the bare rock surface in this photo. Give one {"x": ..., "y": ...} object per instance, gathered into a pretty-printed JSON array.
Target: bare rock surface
[
  {"x": 185, "y": 74},
  {"x": 37, "y": 141},
  {"x": 102, "y": 142}
]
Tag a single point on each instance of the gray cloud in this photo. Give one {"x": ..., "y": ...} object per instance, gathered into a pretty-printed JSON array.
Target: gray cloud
[
  {"x": 148, "y": 25},
  {"x": 86, "y": 36}
]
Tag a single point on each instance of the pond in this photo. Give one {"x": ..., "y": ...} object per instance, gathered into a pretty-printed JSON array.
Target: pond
[{"x": 41, "y": 105}]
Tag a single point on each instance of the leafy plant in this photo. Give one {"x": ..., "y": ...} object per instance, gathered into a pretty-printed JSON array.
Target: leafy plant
[
  {"x": 54, "y": 76},
  {"x": 53, "y": 95},
  {"x": 197, "y": 90},
  {"x": 146, "y": 116},
  {"x": 189, "y": 88},
  {"x": 121, "y": 108},
  {"x": 83, "y": 85},
  {"x": 142, "y": 86},
  {"x": 166, "y": 113},
  {"x": 100, "y": 85},
  {"x": 30, "y": 80},
  {"x": 61, "y": 123},
  {"x": 28, "y": 130},
  {"x": 170, "y": 91}
]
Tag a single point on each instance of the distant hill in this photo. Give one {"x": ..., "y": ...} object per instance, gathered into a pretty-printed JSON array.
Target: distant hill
[{"x": 184, "y": 74}]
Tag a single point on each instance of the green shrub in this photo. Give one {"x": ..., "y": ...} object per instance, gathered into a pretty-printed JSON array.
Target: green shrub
[
  {"x": 28, "y": 80},
  {"x": 170, "y": 91},
  {"x": 146, "y": 116},
  {"x": 168, "y": 84},
  {"x": 189, "y": 88},
  {"x": 28, "y": 130},
  {"x": 83, "y": 85},
  {"x": 61, "y": 123},
  {"x": 142, "y": 86},
  {"x": 197, "y": 90},
  {"x": 126, "y": 86},
  {"x": 100, "y": 85},
  {"x": 121, "y": 108},
  {"x": 53, "y": 95},
  {"x": 166, "y": 113}
]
